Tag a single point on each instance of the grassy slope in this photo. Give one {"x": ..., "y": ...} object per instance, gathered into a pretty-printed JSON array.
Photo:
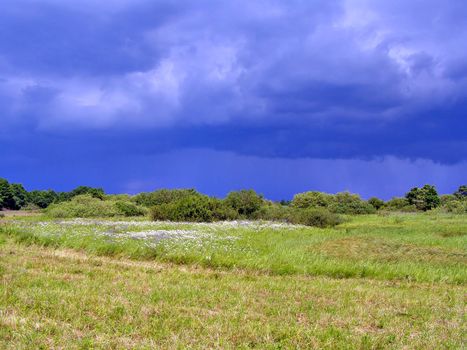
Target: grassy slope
[{"x": 63, "y": 299}]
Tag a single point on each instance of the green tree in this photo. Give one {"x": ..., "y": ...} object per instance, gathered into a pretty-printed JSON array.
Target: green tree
[
  {"x": 19, "y": 195},
  {"x": 80, "y": 190},
  {"x": 194, "y": 208},
  {"x": 350, "y": 203},
  {"x": 376, "y": 202},
  {"x": 414, "y": 197},
  {"x": 446, "y": 198},
  {"x": 311, "y": 199},
  {"x": 424, "y": 198},
  {"x": 6, "y": 196},
  {"x": 42, "y": 199},
  {"x": 163, "y": 196},
  {"x": 399, "y": 204},
  {"x": 245, "y": 202},
  {"x": 461, "y": 193}
]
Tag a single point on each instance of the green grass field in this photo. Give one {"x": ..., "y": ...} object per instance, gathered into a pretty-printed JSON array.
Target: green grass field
[{"x": 396, "y": 281}]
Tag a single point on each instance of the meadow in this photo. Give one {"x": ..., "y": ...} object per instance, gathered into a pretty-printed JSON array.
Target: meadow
[{"x": 387, "y": 280}]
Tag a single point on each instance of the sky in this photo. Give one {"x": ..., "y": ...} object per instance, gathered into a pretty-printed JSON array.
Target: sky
[{"x": 280, "y": 96}]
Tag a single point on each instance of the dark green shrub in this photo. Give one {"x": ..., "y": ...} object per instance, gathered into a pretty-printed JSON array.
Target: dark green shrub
[
  {"x": 245, "y": 202},
  {"x": 446, "y": 198},
  {"x": 163, "y": 196},
  {"x": 396, "y": 204},
  {"x": 161, "y": 212},
  {"x": 461, "y": 192},
  {"x": 42, "y": 199},
  {"x": 82, "y": 190},
  {"x": 312, "y": 199},
  {"x": 318, "y": 217},
  {"x": 126, "y": 208},
  {"x": 376, "y": 202},
  {"x": 274, "y": 213},
  {"x": 19, "y": 196},
  {"x": 83, "y": 206},
  {"x": 424, "y": 198},
  {"x": 194, "y": 208},
  {"x": 31, "y": 207},
  {"x": 222, "y": 211},
  {"x": 6, "y": 196},
  {"x": 349, "y": 203},
  {"x": 456, "y": 207},
  {"x": 119, "y": 197}
]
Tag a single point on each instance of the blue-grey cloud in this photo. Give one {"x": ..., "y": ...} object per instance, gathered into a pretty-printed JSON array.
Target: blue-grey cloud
[
  {"x": 217, "y": 173},
  {"x": 342, "y": 79}
]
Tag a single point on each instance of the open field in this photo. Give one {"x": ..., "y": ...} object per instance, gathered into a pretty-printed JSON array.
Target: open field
[{"x": 396, "y": 281}]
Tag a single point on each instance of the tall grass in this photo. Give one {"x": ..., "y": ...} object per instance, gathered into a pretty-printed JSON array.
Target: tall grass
[
  {"x": 60, "y": 299},
  {"x": 414, "y": 247}
]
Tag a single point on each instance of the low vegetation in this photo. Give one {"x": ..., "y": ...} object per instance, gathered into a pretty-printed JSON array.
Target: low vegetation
[
  {"x": 62, "y": 299},
  {"x": 391, "y": 280},
  {"x": 187, "y": 205},
  {"x": 86, "y": 206},
  {"x": 419, "y": 247},
  {"x": 179, "y": 269}
]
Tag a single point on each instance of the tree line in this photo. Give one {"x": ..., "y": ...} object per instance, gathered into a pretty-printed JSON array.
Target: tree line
[
  {"x": 310, "y": 208},
  {"x": 14, "y": 196}
]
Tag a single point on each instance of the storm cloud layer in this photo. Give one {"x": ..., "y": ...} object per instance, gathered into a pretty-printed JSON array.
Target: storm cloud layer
[{"x": 354, "y": 80}]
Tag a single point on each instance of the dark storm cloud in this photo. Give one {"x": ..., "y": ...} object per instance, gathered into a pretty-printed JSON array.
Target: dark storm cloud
[{"x": 135, "y": 79}]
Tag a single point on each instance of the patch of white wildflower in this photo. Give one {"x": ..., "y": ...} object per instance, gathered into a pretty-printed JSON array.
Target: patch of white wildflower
[{"x": 170, "y": 236}]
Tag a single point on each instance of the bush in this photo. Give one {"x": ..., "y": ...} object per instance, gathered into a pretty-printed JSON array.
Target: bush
[
  {"x": 318, "y": 217},
  {"x": 161, "y": 212},
  {"x": 130, "y": 209},
  {"x": 456, "y": 207},
  {"x": 274, "y": 213},
  {"x": 19, "y": 196},
  {"x": 348, "y": 203},
  {"x": 6, "y": 195},
  {"x": 399, "y": 204},
  {"x": 424, "y": 198},
  {"x": 82, "y": 190},
  {"x": 164, "y": 196},
  {"x": 31, "y": 207},
  {"x": 446, "y": 198},
  {"x": 245, "y": 202},
  {"x": 83, "y": 206},
  {"x": 312, "y": 199},
  {"x": 376, "y": 202},
  {"x": 194, "y": 208},
  {"x": 222, "y": 211},
  {"x": 461, "y": 192},
  {"x": 42, "y": 199},
  {"x": 87, "y": 206},
  {"x": 119, "y": 197}
]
